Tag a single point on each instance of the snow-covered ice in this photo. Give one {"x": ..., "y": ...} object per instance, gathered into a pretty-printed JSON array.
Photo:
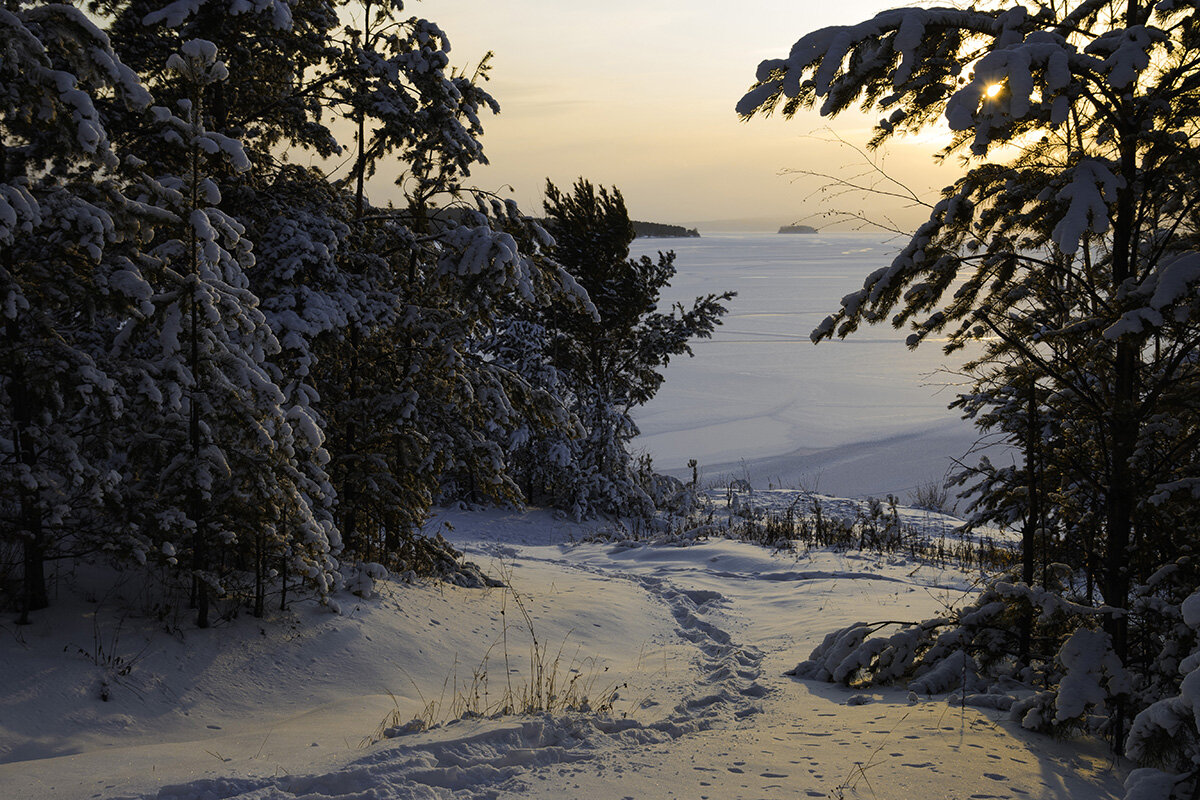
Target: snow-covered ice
[{"x": 864, "y": 416}]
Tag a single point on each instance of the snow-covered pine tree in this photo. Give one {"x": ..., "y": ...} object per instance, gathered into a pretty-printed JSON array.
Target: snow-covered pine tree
[
  {"x": 609, "y": 356},
  {"x": 339, "y": 279},
  {"x": 308, "y": 299},
  {"x": 409, "y": 404},
  {"x": 216, "y": 448},
  {"x": 541, "y": 455},
  {"x": 1070, "y": 238},
  {"x": 275, "y": 51},
  {"x": 1165, "y": 736},
  {"x": 519, "y": 394},
  {"x": 390, "y": 77},
  {"x": 275, "y": 95},
  {"x": 64, "y": 287},
  {"x": 379, "y": 310}
]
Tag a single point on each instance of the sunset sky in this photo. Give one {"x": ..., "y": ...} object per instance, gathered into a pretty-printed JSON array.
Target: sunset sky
[{"x": 641, "y": 95}]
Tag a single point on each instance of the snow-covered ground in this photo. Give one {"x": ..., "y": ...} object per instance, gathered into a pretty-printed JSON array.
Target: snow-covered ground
[{"x": 683, "y": 647}]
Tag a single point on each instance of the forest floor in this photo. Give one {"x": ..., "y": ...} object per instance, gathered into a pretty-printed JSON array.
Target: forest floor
[{"x": 679, "y": 648}]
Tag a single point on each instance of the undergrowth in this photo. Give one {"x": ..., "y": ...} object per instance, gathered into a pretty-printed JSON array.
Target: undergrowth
[
  {"x": 553, "y": 679},
  {"x": 809, "y": 522},
  {"x": 875, "y": 527}
]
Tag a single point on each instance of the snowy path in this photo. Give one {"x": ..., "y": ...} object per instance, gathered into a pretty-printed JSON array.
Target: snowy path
[{"x": 694, "y": 639}]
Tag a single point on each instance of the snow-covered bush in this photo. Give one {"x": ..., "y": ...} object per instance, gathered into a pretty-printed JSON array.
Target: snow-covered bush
[
  {"x": 1165, "y": 736},
  {"x": 977, "y": 646}
]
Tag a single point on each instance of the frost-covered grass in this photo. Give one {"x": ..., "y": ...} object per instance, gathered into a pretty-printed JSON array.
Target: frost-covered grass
[{"x": 791, "y": 519}]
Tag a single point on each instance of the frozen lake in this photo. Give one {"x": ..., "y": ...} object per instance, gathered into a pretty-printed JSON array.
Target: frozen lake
[{"x": 860, "y": 416}]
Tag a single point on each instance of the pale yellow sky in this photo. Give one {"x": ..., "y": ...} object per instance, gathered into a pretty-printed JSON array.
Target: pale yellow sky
[{"x": 640, "y": 94}]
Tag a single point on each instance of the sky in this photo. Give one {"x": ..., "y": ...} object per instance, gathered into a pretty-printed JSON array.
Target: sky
[{"x": 640, "y": 95}]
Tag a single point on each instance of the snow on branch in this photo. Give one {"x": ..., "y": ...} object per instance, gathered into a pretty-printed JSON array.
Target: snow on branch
[
  {"x": 1172, "y": 283},
  {"x": 1035, "y": 76},
  {"x": 175, "y": 14},
  {"x": 1093, "y": 186},
  {"x": 838, "y": 62},
  {"x": 1126, "y": 53}
]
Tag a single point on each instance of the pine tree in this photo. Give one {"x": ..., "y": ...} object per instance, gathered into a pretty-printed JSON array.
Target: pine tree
[
  {"x": 609, "y": 356},
  {"x": 214, "y": 429},
  {"x": 412, "y": 407},
  {"x": 1070, "y": 239},
  {"x": 65, "y": 282},
  {"x": 275, "y": 51},
  {"x": 376, "y": 309}
]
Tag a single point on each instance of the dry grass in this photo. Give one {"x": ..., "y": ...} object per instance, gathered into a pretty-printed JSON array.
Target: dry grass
[{"x": 555, "y": 679}]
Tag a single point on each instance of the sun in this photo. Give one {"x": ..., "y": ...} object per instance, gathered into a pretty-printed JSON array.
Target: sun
[{"x": 993, "y": 89}]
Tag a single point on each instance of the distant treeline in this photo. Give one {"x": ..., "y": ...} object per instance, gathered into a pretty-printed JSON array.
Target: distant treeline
[
  {"x": 797, "y": 229},
  {"x": 659, "y": 229}
]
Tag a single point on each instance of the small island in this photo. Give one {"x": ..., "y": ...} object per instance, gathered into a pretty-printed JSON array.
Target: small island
[
  {"x": 798, "y": 229},
  {"x": 660, "y": 230}
]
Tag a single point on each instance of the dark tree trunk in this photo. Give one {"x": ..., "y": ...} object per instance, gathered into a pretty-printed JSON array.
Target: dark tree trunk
[
  {"x": 196, "y": 507},
  {"x": 1119, "y": 502},
  {"x": 33, "y": 584},
  {"x": 283, "y": 582},
  {"x": 1123, "y": 423},
  {"x": 1032, "y": 521},
  {"x": 33, "y": 543},
  {"x": 260, "y": 568}
]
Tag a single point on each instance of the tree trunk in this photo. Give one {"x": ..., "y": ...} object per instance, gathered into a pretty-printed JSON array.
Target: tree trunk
[
  {"x": 196, "y": 507},
  {"x": 360, "y": 119},
  {"x": 1032, "y": 522},
  {"x": 260, "y": 568},
  {"x": 283, "y": 582},
  {"x": 1119, "y": 502},
  {"x": 33, "y": 580},
  {"x": 1123, "y": 423}
]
